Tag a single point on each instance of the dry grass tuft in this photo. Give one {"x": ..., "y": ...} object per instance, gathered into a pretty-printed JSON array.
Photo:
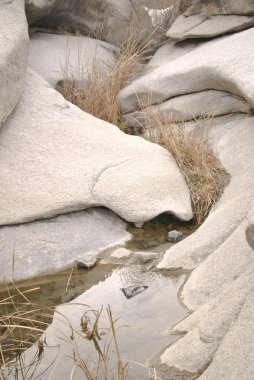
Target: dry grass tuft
[
  {"x": 21, "y": 325},
  {"x": 99, "y": 94},
  {"x": 202, "y": 169}
]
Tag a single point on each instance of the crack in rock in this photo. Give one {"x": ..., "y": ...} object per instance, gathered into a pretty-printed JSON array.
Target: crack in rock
[{"x": 103, "y": 171}]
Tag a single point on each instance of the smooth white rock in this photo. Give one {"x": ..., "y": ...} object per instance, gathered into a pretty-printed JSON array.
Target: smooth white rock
[
  {"x": 13, "y": 57},
  {"x": 202, "y": 26},
  {"x": 223, "y": 266},
  {"x": 169, "y": 52},
  {"x": 57, "y": 57},
  {"x": 55, "y": 159},
  {"x": 217, "y": 65},
  {"x": 233, "y": 359},
  {"x": 183, "y": 24},
  {"x": 208, "y": 326},
  {"x": 185, "y": 360},
  {"x": 51, "y": 245}
]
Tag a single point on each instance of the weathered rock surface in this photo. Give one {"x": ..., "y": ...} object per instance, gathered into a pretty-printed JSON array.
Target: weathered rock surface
[
  {"x": 203, "y": 26},
  {"x": 57, "y": 57},
  {"x": 55, "y": 159},
  {"x": 50, "y": 245},
  {"x": 108, "y": 19},
  {"x": 13, "y": 58},
  {"x": 217, "y": 65},
  {"x": 220, "y": 288}
]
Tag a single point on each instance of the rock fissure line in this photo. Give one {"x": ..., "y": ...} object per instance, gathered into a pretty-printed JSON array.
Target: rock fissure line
[
  {"x": 96, "y": 180},
  {"x": 234, "y": 95}
]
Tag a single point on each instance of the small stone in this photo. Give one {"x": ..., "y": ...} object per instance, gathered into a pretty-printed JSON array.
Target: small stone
[
  {"x": 80, "y": 265},
  {"x": 132, "y": 291},
  {"x": 174, "y": 236}
]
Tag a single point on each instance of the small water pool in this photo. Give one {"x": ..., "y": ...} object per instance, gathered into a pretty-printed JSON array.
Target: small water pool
[{"x": 143, "y": 321}]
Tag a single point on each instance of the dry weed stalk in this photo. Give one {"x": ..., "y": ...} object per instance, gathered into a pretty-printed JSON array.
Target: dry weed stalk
[
  {"x": 189, "y": 145},
  {"x": 22, "y": 324},
  {"x": 90, "y": 331}
]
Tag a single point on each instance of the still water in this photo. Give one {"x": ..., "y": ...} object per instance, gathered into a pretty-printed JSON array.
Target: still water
[
  {"x": 144, "y": 304},
  {"x": 142, "y": 326}
]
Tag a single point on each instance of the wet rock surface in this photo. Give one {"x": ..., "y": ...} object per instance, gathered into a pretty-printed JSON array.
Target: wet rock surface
[{"x": 71, "y": 240}]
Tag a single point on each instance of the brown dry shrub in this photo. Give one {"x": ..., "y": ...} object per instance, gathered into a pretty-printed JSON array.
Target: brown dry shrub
[
  {"x": 99, "y": 95},
  {"x": 204, "y": 174},
  {"x": 21, "y": 325}
]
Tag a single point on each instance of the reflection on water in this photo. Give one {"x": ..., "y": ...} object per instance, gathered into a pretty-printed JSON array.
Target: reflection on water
[
  {"x": 145, "y": 320},
  {"x": 21, "y": 323},
  {"x": 57, "y": 288},
  {"x": 145, "y": 317},
  {"x": 27, "y": 306},
  {"x": 154, "y": 233}
]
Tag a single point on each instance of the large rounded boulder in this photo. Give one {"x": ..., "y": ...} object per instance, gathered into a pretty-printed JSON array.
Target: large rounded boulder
[{"x": 13, "y": 57}]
